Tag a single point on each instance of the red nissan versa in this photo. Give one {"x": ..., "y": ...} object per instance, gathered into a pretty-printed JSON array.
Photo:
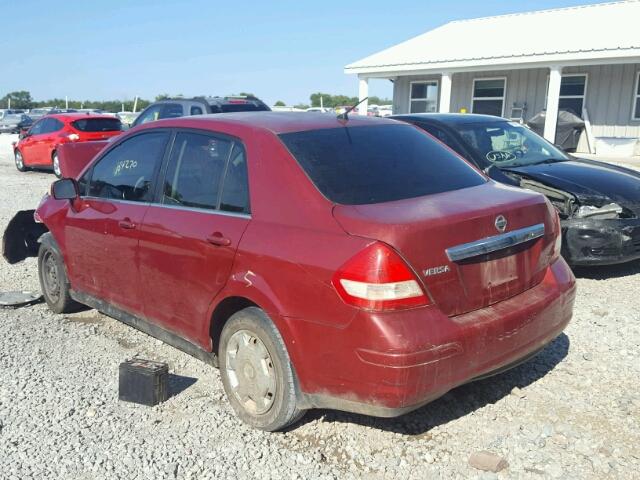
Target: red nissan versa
[
  {"x": 39, "y": 146},
  {"x": 351, "y": 264}
]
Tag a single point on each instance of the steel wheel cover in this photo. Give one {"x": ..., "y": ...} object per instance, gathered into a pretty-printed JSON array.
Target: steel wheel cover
[{"x": 251, "y": 373}]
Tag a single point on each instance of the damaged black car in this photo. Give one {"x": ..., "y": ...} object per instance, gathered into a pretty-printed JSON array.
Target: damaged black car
[{"x": 598, "y": 203}]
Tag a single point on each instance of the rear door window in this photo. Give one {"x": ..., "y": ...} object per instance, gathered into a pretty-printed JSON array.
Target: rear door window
[
  {"x": 195, "y": 170},
  {"x": 127, "y": 171},
  {"x": 373, "y": 164},
  {"x": 98, "y": 125}
]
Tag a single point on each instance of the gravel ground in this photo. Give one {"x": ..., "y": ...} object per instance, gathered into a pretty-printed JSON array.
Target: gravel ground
[{"x": 572, "y": 412}]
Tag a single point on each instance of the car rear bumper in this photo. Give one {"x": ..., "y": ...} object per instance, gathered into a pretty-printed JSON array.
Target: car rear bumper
[
  {"x": 420, "y": 354},
  {"x": 601, "y": 242}
]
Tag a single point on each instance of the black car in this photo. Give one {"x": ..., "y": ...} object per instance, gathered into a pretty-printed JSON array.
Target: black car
[
  {"x": 182, "y": 107},
  {"x": 598, "y": 203}
]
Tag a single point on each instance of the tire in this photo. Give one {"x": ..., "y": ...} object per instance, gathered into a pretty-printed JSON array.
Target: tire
[
  {"x": 53, "y": 281},
  {"x": 56, "y": 165},
  {"x": 19, "y": 161},
  {"x": 255, "y": 365}
]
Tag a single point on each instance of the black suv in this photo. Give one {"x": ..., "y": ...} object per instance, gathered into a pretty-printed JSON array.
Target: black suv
[{"x": 182, "y": 107}]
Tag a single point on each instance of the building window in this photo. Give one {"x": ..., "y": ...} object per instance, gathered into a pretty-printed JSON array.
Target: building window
[
  {"x": 573, "y": 89},
  {"x": 423, "y": 97},
  {"x": 636, "y": 98},
  {"x": 488, "y": 96}
]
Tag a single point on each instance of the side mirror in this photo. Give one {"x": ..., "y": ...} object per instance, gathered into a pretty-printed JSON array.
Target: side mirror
[{"x": 65, "y": 189}]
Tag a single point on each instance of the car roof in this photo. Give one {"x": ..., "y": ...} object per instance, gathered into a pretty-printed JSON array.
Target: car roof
[
  {"x": 70, "y": 117},
  {"x": 450, "y": 118},
  {"x": 276, "y": 122}
]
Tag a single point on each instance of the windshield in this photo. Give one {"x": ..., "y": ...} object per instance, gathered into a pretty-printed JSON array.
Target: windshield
[
  {"x": 509, "y": 144},
  {"x": 373, "y": 164}
]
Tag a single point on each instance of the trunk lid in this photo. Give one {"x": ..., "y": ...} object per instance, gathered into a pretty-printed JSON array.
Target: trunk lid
[{"x": 423, "y": 229}]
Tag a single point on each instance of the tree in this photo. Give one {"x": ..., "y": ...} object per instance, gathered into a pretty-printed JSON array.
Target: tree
[
  {"x": 19, "y": 99},
  {"x": 331, "y": 101},
  {"x": 279, "y": 103}
]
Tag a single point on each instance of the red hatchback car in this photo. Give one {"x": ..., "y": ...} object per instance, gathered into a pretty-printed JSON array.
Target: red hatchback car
[
  {"x": 351, "y": 264},
  {"x": 38, "y": 148}
]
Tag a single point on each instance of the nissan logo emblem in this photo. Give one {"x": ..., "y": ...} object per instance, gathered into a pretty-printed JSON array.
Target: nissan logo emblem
[{"x": 501, "y": 223}]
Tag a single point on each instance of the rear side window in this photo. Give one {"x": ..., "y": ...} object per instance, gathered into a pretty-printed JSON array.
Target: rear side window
[
  {"x": 98, "y": 125},
  {"x": 235, "y": 189},
  {"x": 126, "y": 172},
  {"x": 374, "y": 164},
  {"x": 196, "y": 110},
  {"x": 195, "y": 170}
]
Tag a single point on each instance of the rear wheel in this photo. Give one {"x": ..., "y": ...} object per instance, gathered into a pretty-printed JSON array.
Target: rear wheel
[
  {"x": 56, "y": 165},
  {"x": 54, "y": 282},
  {"x": 20, "y": 161},
  {"x": 256, "y": 371}
]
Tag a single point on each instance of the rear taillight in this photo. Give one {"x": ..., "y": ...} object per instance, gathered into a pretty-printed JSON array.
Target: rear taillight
[{"x": 378, "y": 279}]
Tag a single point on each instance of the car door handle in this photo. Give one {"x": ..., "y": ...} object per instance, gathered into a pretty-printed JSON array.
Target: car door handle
[
  {"x": 218, "y": 240},
  {"x": 127, "y": 224}
]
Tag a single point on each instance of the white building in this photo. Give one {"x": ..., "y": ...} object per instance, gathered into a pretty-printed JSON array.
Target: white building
[{"x": 585, "y": 58}]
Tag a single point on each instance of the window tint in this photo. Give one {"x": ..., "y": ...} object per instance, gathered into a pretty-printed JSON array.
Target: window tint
[
  {"x": 196, "y": 110},
  {"x": 195, "y": 168},
  {"x": 47, "y": 125},
  {"x": 98, "y": 125},
  {"x": 171, "y": 110},
  {"x": 441, "y": 135},
  {"x": 372, "y": 164},
  {"x": 235, "y": 190},
  {"x": 126, "y": 172},
  {"x": 36, "y": 129}
]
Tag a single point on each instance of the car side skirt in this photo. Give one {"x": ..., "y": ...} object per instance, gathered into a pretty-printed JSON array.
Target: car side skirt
[{"x": 146, "y": 326}]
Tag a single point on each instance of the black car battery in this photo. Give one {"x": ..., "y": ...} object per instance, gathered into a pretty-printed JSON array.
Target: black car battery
[{"x": 143, "y": 381}]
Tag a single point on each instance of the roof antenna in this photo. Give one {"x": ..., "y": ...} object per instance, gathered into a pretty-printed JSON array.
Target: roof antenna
[{"x": 345, "y": 115}]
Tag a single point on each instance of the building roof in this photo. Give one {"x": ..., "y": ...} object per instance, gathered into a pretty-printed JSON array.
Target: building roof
[{"x": 590, "y": 32}]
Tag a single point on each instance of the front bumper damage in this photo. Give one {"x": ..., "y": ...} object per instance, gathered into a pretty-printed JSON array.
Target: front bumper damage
[{"x": 588, "y": 241}]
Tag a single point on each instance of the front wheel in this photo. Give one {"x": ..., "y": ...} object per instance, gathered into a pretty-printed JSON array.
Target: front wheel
[
  {"x": 20, "y": 161},
  {"x": 56, "y": 165},
  {"x": 53, "y": 281},
  {"x": 256, "y": 371}
]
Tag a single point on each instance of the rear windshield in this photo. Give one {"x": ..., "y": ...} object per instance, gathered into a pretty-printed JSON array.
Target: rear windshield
[
  {"x": 98, "y": 125},
  {"x": 382, "y": 163}
]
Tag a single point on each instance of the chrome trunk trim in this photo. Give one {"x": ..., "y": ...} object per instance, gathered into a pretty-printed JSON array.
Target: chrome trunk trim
[{"x": 493, "y": 244}]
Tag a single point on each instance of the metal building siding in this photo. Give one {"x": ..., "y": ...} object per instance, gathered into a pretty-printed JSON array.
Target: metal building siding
[{"x": 609, "y": 100}]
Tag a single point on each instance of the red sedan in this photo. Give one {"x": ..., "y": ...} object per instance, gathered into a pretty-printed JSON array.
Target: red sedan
[
  {"x": 351, "y": 264},
  {"x": 38, "y": 148}
]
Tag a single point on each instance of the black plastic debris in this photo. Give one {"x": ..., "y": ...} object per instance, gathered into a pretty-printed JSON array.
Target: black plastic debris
[
  {"x": 20, "y": 239},
  {"x": 19, "y": 299},
  {"x": 143, "y": 381}
]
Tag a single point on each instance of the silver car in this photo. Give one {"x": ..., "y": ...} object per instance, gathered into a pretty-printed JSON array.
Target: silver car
[{"x": 14, "y": 122}]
